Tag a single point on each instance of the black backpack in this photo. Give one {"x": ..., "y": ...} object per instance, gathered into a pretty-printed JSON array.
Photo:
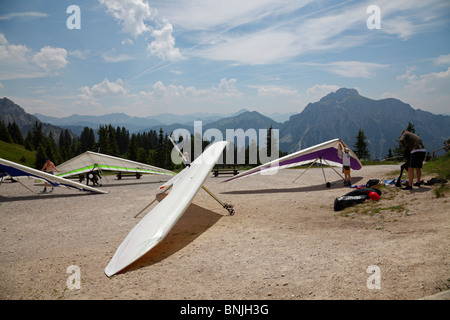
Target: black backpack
[{"x": 353, "y": 197}]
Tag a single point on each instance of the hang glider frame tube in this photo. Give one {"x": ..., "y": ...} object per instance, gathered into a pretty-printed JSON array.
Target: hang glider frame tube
[{"x": 320, "y": 159}]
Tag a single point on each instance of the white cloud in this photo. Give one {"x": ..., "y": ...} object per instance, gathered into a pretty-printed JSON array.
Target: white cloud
[
  {"x": 354, "y": 69},
  {"x": 350, "y": 69},
  {"x": 237, "y": 31},
  {"x": 131, "y": 14},
  {"x": 405, "y": 18},
  {"x": 79, "y": 54},
  {"x": 400, "y": 26},
  {"x": 51, "y": 59},
  {"x": 164, "y": 44},
  {"x": 181, "y": 99},
  {"x": 104, "y": 89},
  {"x": 225, "y": 89},
  {"x": 318, "y": 91},
  {"x": 127, "y": 41},
  {"x": 26, "y": 14},
  {"x": 136, "y": 18},
  {"x": 20, "y": 62},
  {"x": 443, "y": 60},
  {"x": 205, "y": 15},
  {"x": 274, "y": 91},
  {"x": 427, "y": 91},
  {"x": 112, "y": 57},
  {"x": 253, "y": 49}
]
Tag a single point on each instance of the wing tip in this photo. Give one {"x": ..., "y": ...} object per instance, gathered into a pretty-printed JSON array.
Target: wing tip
[{"x": 109, "y": 272}]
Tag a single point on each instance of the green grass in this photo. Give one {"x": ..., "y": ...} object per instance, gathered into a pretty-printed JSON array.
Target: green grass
[
  {"x": 439, "y": 166},
  {"x": 17, "y": 153}
]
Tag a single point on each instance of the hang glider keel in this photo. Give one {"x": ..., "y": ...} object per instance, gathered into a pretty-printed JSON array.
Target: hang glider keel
[{"x": 157, "y": 223}]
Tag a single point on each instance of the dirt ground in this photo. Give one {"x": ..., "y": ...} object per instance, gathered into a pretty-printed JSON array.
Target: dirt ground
[{"x": 285, "y": 241}]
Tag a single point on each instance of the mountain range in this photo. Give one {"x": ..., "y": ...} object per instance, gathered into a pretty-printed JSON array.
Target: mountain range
[{"x": 339, "y": 114}]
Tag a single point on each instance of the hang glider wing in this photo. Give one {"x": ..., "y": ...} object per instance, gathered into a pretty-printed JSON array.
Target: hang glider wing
[
  {"x": 89, "y": 161},
  {"x": 17, "y": 170},
  {"x": 160, "y": 220},
  {"x": 330, "y": 151}
]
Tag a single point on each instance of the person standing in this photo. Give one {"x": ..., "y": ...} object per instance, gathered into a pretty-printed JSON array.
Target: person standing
[
  {"x": 414, "y": 144},
  {"x": 48, "y": 167},
  {"x": 346, "y": 164}
]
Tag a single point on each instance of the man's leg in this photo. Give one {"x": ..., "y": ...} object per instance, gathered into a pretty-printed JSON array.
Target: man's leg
[{"x": 410, "y": 177}]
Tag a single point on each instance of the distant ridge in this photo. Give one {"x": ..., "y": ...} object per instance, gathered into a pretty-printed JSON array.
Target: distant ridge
[
  {"x": 11, "y": 112},
  {"x": 342, "y": 113},
  {"x": 339, "y": 114}
]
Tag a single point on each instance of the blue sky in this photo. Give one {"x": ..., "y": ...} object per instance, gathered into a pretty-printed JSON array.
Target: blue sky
[{"x": 219, "y": 56}]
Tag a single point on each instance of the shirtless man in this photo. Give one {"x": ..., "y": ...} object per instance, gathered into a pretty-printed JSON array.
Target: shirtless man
[{"x": 48, "y": 167}]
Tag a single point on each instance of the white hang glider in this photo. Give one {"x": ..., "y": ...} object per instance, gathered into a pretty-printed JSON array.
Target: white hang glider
[
  {"x": 88, "y": 162},
  {"x": 328, "y": 153},
  {"x": 15, "y": 170},
  {"x": 160, "y": 220}
]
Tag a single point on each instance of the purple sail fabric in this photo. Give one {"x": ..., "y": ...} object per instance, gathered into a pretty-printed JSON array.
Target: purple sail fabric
[{"x": 329, "y": 153}]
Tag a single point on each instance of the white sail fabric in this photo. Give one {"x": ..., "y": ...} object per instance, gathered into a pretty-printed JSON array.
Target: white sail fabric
[
  {"x": 160, "y": 220},
  {"x": 90, "y": 161}
]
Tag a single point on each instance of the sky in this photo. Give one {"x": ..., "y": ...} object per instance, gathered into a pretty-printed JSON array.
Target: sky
[{"x": 145, "y": 58}]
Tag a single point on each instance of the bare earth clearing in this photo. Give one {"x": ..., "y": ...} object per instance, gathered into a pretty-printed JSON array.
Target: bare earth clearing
[{"x": 284, "y": 242}]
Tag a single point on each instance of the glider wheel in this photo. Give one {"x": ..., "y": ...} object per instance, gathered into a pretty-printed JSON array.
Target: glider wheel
[{"x": 230, "y": 209}]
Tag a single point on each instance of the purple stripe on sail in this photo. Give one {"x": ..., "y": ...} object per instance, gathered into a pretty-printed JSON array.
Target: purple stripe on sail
[
  {"x": 329, "y": 154},
  {"x": 354, "y": 164}
]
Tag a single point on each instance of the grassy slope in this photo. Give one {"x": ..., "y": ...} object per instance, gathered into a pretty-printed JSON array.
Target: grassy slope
[
  {"x": 439, "y": 166},
  {"x": 15, "y": 152}
]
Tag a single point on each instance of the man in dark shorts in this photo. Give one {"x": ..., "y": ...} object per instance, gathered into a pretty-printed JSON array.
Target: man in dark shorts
[
  {"x": 48, "y": 167},
  {"x": 414, "y": 145}
]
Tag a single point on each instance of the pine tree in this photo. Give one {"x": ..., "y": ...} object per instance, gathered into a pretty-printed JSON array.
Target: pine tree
[
  {"x": 103, "y": 141},
  {"x": 133, "y": 148},
  {"x": 87, "y": 139},
  {"x": 123, "y": 139},
  {"x": 360, "y": 146},
  {"x": 112, "y": 140},
  {"x": 37, "y": 136},
  {"x": 29, "y": 141},
  {"x": 160, "y": 157},
  {"x": 15, "y": 133},
  {"x": 41, "y": 157},
  {"x": 65, "y": 144},
  {"x": 51, "y": 150},
  {"x": 4, "y": 134}
]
